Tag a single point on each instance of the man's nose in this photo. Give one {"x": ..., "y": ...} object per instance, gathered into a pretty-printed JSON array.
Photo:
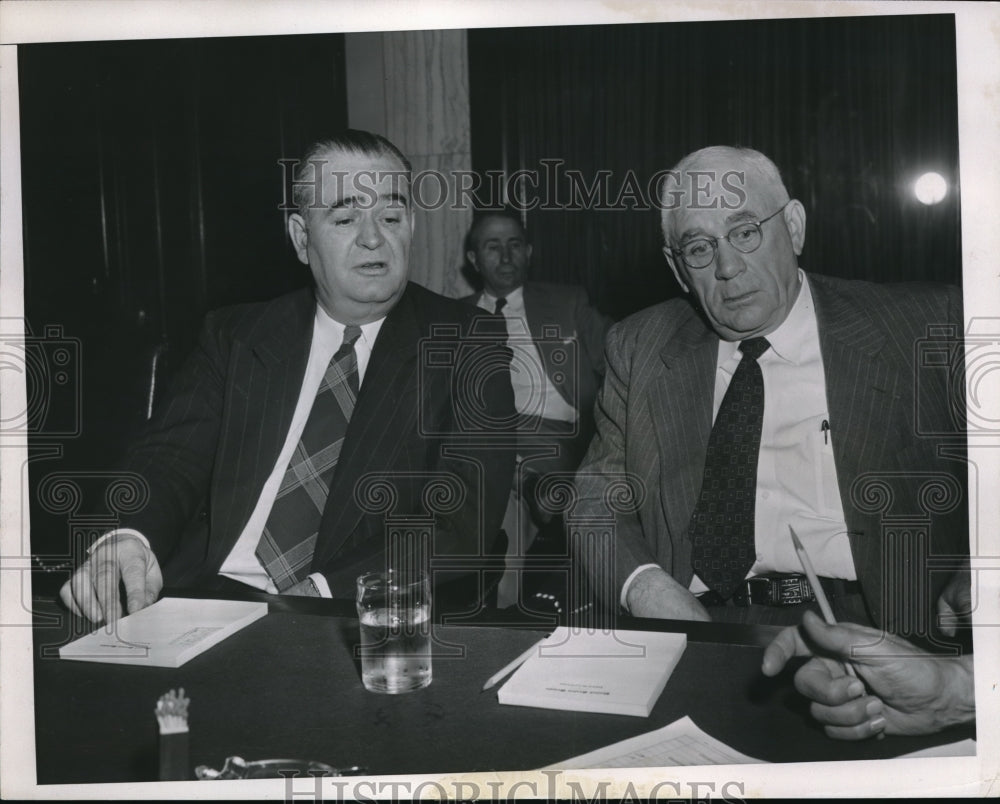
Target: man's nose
[
  {"x": 369, "y": 235},
  {"x": 505, "y": 255},
  {"x": 728, "y": 261}
]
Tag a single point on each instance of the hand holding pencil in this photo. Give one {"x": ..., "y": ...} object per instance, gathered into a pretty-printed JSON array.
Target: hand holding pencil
[{"x": 912, "y": 692}]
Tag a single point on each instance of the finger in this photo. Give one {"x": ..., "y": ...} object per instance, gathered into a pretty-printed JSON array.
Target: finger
[
  {"x": 852, "y": 713},
  {"x": 862, "y": 731},
  {"x": 106, "y": 589},
  {"x": 66, "y": 595},
  {"x": 154, "y": 578},
  {"x": 784, "y": 646},
  {"x": 837, "y": 640},
  {"x": 947, "y": 618},
  {"x": 133, "y": 572},
  {"x": 824, "y": 681},
  {"x": 82, "y": 585}
]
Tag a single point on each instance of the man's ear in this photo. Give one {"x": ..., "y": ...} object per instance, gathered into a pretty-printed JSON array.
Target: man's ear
[
  {"x": 471, "y": 257},
  {"x": 795, "y": 220},
  {"x": 527, "y": 251},
  {"x": 672, "y": 262},
  {"x": 299, "y": 234}
]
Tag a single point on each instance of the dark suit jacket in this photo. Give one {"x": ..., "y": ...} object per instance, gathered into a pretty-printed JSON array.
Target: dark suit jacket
[
  {"x": 557, "y": 314},
  {"x": 654, "y": 418},
  {"x": 214, "y": 441}
]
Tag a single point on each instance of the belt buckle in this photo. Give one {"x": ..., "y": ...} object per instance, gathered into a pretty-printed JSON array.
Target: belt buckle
[
  {"x": 753, "y": 591},
  {"x": 790, "y": 590}
]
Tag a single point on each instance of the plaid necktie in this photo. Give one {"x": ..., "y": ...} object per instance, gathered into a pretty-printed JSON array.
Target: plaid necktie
[
  {"x": 722, "y": 525},
  {"x": 289, "y": 539}
]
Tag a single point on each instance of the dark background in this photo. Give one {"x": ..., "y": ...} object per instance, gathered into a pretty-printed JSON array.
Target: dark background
[
  {"x": 851, "y": 110},
  {"x": 151, "y": 181}
]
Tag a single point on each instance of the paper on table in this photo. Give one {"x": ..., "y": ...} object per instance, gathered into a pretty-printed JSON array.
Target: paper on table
[
  {"x": 680, "y": 744},
  {"x": 165, "y": 634},
  {"x": 614, "y": 672}
]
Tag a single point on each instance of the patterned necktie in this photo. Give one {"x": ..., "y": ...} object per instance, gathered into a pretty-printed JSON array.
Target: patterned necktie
[
  {"x": 289, "y": 539},
  {"x": 722, "y": 525}
]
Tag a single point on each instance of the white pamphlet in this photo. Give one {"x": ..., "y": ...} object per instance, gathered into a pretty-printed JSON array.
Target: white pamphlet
[
  {"x": 615, "y": 672},
  {"x": 165, "y": 634}
]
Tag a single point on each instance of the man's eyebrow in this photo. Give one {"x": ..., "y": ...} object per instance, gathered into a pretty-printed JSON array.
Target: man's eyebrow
[
  {"x": 366, "y": 200},
  {"x": 742, "y": 215},
  {"x": 736, "y": 217}
]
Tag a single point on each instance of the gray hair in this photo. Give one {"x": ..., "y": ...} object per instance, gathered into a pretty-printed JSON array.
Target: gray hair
[{"x": 754, "y": 162}]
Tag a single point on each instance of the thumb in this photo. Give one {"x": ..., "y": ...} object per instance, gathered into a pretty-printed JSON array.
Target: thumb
[
  {"x": 835, "y": 640},
  {"x": 947, "y": 618},
  {"x": 784, "y": 646}
]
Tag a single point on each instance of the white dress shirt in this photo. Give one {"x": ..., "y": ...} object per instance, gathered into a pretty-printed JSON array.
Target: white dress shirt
[
  {"x": 533, "y": 393},
  {"x": 242, "y": 563},
  {"x": 796, "y": 476}
]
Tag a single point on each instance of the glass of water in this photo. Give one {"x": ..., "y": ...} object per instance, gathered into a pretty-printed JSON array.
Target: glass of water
[{"x": 394, "y": 608}]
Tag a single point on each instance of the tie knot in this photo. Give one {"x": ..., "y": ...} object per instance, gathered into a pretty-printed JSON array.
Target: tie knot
[
  {"x": 351, "y": 333},
  {"x": 754, "y": 347},
  {"x": 498, "y": 307}
]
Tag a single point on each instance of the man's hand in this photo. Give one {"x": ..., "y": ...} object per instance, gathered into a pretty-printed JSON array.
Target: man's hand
[
  {"x": 913, "y": 692},
  {"x": 653, "y": 593},
  {"x": 954, "y": 606},
  {"x": 92, "y": 592}
]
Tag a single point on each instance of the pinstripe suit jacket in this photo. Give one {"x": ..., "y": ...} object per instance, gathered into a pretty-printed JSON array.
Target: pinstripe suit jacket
[
  {"x": 214, "y": 441},
  {"x": 654, "y": 417}
]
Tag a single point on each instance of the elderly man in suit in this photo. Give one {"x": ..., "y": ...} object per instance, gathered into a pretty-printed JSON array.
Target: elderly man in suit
[
  {"x": 267, "y": 463},
  {"x": 777, "y": 400},
  {"x": 557, "y": 339}
]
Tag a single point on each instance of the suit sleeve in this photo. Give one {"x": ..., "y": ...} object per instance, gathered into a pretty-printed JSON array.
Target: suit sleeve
[
  {"x": 606, "y": 492},
  {"x": 481, "y": 450},
  {"x": 591, "y": 327},
  {"x": 175, "y": 453}
]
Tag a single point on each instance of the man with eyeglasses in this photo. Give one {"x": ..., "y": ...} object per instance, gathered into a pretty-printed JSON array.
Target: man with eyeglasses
[{"x": 772, "y": 400}]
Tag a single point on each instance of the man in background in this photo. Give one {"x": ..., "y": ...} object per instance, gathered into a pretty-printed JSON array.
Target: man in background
[{"x": 557, "y": 340}]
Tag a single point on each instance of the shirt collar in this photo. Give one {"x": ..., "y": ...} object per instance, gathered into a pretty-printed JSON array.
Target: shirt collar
[
  {"x": 329, "y": 330},
  {"x": 515, "y": 299}
]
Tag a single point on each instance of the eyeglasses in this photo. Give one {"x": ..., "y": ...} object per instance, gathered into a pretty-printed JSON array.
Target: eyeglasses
[{"x": 745, "y": 238}]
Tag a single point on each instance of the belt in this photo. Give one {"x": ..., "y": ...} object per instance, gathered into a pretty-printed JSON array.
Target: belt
[{"x": 780, "y": 589}]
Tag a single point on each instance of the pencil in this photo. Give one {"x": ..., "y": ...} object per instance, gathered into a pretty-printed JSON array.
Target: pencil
[
  {"x": 824, "y": 604},
  {"x": 510, "y": 668}
]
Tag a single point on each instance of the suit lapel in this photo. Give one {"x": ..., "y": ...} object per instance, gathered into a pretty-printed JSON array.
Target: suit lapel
[
  {"x": 680, "y": 401},
  {"x": 862, "y": 391},
  {"x": 383, "y": 421},
  {"x": 267, "y": 366},
  {"x": 541, "y": 310}
]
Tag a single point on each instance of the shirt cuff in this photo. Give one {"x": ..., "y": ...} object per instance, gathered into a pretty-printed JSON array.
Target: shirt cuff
[
  {"x": 628, "y": 583},
  {"x": 119, "y": 532},
  {"x": 319, "y": 580}
]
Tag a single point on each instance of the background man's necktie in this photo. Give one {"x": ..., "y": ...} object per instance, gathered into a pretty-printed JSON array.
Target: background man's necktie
[
  {"x": 289, "y": 539},
  {"x": 498, "y": 307},
  {"x": 722, "y": 526}
]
